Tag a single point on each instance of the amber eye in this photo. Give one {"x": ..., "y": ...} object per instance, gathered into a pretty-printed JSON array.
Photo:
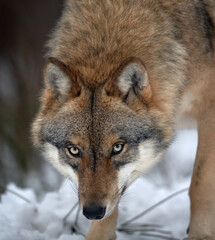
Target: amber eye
[
  {"x": 74, "y": 151},
  {"x": 117, "y": 148}
]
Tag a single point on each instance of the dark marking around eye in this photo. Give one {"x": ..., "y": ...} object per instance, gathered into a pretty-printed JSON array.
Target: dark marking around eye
[
  {"x": 74, "y": 166},
  {"x": 74, "y": 163},
  {"x": 119, "y": 164},
  {"x": 137, "y": 133}
]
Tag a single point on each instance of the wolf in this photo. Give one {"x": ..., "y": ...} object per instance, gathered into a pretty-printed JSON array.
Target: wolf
[{"x": 119, "y": 76}]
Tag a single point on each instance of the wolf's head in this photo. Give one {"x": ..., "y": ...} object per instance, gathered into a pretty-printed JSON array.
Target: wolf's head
[{"x": 101, "y": 138}]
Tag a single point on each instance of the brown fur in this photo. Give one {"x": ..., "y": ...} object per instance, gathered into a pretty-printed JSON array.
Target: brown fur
[{"x": 173, "y": 44}]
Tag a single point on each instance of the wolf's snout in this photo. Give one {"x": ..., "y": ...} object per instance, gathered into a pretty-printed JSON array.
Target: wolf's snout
[{"x": 94, "y": 212}]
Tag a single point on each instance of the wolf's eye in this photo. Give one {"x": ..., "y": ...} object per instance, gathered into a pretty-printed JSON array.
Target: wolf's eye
[
  {"x": 117, "y": 148},
  {"x": 74, "y": 151}
]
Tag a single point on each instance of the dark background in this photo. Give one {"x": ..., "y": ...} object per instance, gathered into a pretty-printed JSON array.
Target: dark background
[{"x": 24, "y": 29}]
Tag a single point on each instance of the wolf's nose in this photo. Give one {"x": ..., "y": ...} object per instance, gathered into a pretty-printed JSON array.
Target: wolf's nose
[{"x": 94, "y": 212}]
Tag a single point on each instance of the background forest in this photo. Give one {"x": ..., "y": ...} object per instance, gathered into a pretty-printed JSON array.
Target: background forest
[{"x": 24, "y": 29}]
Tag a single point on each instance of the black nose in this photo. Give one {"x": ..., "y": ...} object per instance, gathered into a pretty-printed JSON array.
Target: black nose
[{"x": 94, "y": 212}]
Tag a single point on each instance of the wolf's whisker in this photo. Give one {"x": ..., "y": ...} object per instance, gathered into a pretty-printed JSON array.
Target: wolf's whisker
[
  {"x": 75, "y": 190},
  {"x": 70, "y": 211}
]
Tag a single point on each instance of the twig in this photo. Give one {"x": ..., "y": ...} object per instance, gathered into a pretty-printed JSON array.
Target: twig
[
  {"x": 75, "y": 226},
  {"x": 158, "y": 236},
  {"x": 76, "y": 218},
  {"x": 14, "y": 193},
  {"x": 143, "y": 226},
  {"x": 141, "y": 229},
  {"x": 70, "y": 211},
  {"x": 154, "y": 206}
]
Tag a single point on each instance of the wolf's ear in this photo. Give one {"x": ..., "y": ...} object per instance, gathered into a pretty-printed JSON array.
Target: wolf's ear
[
  {"x": 61, "y": 80},
  {"x": 131, "y": 82}
]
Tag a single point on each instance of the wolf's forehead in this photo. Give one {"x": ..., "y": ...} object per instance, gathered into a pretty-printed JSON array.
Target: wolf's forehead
[
  {"x": 97, "y": 122},
  {"x": 59, "y": 129},
  {"x": 85, "y": 124}
]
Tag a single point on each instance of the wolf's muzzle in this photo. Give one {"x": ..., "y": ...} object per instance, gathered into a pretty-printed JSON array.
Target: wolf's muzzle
[{"x": 94, "y": 212}]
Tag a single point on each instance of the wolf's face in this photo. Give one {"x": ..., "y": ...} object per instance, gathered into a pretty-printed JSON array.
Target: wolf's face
[{"x": 103, "y": 138}]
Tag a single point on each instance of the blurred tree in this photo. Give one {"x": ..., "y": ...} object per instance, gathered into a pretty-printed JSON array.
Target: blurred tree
[{"x": 24, "y": 29}]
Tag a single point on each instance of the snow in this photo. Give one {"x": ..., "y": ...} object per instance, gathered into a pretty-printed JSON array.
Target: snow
[{"x": 44, "y": 219}]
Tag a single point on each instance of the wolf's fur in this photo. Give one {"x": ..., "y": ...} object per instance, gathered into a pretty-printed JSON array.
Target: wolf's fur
[{"x": 122, "y": 71}]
